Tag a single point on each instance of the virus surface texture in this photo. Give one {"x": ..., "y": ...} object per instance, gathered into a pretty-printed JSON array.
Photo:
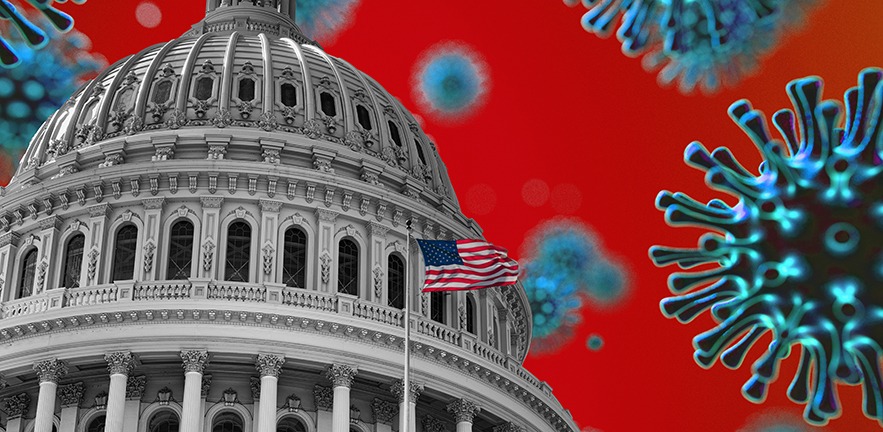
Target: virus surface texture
[
  {"x": 451, "y": 81},
  {"x": 704, "y": 43},
  {"x": 15, "y": 25},
  {"x": 799, "y": 255},
  {"x": 565, "y": 268},
  {"x": 323, "y": 19}
]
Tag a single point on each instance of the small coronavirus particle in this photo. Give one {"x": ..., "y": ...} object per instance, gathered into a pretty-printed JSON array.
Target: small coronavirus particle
[
  {"x": 450, "y": 81},
  {"x": 799, "y": 255},
  {"x": 323, "y": 19},
  {"x": 699, "y": 43},
  {"x": 19, "y": 27}
]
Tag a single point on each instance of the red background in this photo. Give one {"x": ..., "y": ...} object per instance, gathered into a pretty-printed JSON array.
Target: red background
[{"x": 568, "y": 108}]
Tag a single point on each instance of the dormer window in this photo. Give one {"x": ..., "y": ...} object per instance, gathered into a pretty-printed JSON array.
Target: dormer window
[
  {"x": 420, "y": 152},
  {"x": 162, "y": 93},
  {"x": 289, "y": 95},
  {"x": 364, "y": 117},
  {"x": 394, "y": 133},
  {"x": 246, "y": 90},
  {"x": 326, "y": 100}
]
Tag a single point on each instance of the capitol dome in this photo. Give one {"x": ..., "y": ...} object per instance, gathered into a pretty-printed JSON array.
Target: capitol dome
[{"x": 233, "y": 203}]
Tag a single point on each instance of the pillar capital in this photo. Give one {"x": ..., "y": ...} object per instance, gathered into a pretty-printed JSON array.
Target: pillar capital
[
  {"x": 324, "y": 397},
  {"x": 397, "y": 389},
  {"x": 432, "y": 424},
  {"x": 508, "y": 427},
  {"x": 463, "y": 410},
  {"x": 120, "y": 362},
  {"x": 384, "y": 411},
  {"x": 194, "y": 360},
  {"x": 269, "y": 364},
  {"x": 71, "y": 394},
  {"x": 17, "y": 405},
  {"x": 342, "y": 375},
  {"x": 50, "y": 370}
]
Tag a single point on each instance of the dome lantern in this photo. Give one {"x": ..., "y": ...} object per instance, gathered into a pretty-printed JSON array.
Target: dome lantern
[{"x": 251, "y": 16}]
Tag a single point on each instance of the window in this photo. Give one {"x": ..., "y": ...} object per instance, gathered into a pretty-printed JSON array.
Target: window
[
  {"x": 470, "y": 314},
  {"x": 289, "y": 95},
  {"x": 28, "y": 271},
  {"x": 162, "y": 92},
  {"x": 204, "y": 88},
  {"x": 363, "y": 116},
  {"x": 125, "y": 100},
  {"x": 327, "y": 103},
  {"x": 164, "y": 421},
  {"x": 124, "y": 253},
  {"x": 290, "y": 424},
  {"x": 437, "y": 306},
  {"x": 180, "y": 250},
  {"x": 396, "y": 282},
  {"x": 246, "y": 89},
  {"x": 394, "y": 133},
  {"x": 348, "y": 268},
  {"x": 420, "y": 152},
  {"x": 238, "y": 252},
  {"x": 96, "y": 425},
  {"x": 73, "y": 261},
  {"x": 496, "y": 341},
  {"x": 227, "y": 422},
  {"x": 294, "y": 258}
]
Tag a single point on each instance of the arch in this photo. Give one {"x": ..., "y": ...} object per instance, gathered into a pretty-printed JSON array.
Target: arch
[
  {"x": 56, "y": 424},
  {"x": 294, "y": 257},
  {"x": 242, "y": 215},
  {"x": 181, "y": 214},
  {"x": 181, "y": 244},
  {"x": 72, "y": 266},
  {"x": 302, "y": 416},
  {"x": 88, "y": 417},
  {"x": 125, "y": 253},
  {"x": 163, "y": 421},
  {"x": 299, "y": 222},
  {"x": 27, "y": 273},
  {"x": 237, "y": 256},
  {"x": 109, "y": 246},
  {"x": 396, "y": 277},
  {"x": 356, "y": 427},
  {"x": 219, "y": 409},
  {"x": 470, "y": 313},
  {"x": 155, "y": 408},
  {"x": 348, "y": 263}
]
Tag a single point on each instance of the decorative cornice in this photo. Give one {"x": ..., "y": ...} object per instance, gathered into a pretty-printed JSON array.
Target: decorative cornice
[
  {"x": 269, "y": 364},
  {"x": 100, "y": 210},
  {"x": 211, "y": 201},
  {"x": 194, "y": 360},
  {"x": 397, "y": 389},
  {"x": 324, "y": 397},
  {"x": 463, "y": 410},
  {"x": 432, "y": 424},
  {"x": 71, "y": 394},
  {"x": 51, "y": 222},
  {"x": 326, "y": 215},
  {"x": 10, "y": 238},
  {"x": 384, "y": 411},
  {"x": 153, "y": 203},
  {"x": 270, "y": 205},
  {"x": 378, "y": 230},
  {"x": 120, "y": 362},
  {"x": 50, "y": 370},
  {"x": 341, "y": 375},
  {"x": 17, "y": 406},
  {"x": 135, "y": 387}
]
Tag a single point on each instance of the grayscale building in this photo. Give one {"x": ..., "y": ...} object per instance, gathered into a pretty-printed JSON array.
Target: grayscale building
[{"x": 210, "y": 237}]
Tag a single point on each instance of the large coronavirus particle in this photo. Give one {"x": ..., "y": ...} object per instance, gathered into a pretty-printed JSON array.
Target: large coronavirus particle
[
  {"x": 323, "y": 19},
  {"x": 799, "y": 255},
  {"x": 19, "y": 27},
  {"x": 450, "y": 81},
  {"x": 699, "y": 43}
]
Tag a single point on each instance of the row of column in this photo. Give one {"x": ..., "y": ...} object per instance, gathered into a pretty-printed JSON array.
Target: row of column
[{"x": 121, "y": 364}]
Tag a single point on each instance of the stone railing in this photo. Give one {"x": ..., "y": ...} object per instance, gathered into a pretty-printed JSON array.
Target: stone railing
[
  {"x": 232, "y": 291},
  {"x": 438, "y": 331},
  {"x": 302, "y": 298},
  {"x": 169, "y": 290},
  {"x": 376, "y": 312},
  {"x": 91, "y": 295}
]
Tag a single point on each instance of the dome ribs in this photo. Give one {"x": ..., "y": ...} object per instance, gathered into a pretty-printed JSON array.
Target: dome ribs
[
  {"x": 309, "y": 99},
  {"x": 269, "y": 76},
  {"x": 187, "y": 73},
  {"x": 150, "y": 75},
  {"x": 341, "y": 85},
  {"x": 227, "y": 72}
]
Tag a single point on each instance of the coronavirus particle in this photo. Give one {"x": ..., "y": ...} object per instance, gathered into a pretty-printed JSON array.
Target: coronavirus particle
[
  {"x": 19, "y": 27},
  {"x": 798, "y": 255},
  {"x": 704, "y": 43},
  {"x": 594, "y": 342},
  {"x": 323, "y": 19},
  {"x": 450, "y": 81}
]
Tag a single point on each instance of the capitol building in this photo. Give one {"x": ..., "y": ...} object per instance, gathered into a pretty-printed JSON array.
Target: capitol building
[{"x": 211, "y": 237}]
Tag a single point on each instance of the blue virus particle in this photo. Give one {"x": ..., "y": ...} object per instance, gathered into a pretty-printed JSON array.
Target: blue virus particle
[
  {"x": 564, "y": 268},
  {"x": 698, "y": 43},
  {"x": 324, "y": 19},
  {"x": 799, "y": 255},
  {"x": 15, "y": 25},
  {"x": 46, "y": 79},
  {"x": 775, "y": 420},
  {"x": 451, "y": 81},
  {"x": 594, "y": 342}
]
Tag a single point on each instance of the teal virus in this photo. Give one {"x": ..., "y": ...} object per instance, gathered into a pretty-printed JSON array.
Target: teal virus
[
  {"x": 799, "y": 255},
  {"x": 565, "y": 268},
  {"x": 324, "y": 19},
  {"x": 594, "y": 342},
  {"x": 699, "y": 43},
  {"x": 17, "y": 26},
  {"x": 451, "y": 81}
]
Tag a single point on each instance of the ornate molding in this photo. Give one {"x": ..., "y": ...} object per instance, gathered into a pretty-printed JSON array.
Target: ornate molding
[
  {"x": 269, "y": 364},
  {"x": 384, "y": 411},
  {"x": 120, "y": 362},
  {"x": 270, "y": 205},
  {"x": 324, "y": 397},
  {"x": 17, "y": 405},
  {"x": 71, "y": 394},
  {"x": 326, "y": 215},
  {"x": 211, "y": 201},
  {"x": 50, "y": 370},
  {"x": 341, "y": 375},
  {"x": 206, "y": 386},
  {"x": 463, "y": 410},
  {"x": 100, "y": 210},
  {"x": 194, "y": 360},
  {"x": 135, "y": 387},
  {"x": 153, "y": 203},
  {"x": 255, "y": 384},
  {"x": 397, "y": 389},
  {"x": 508, "y": 427},
  {"x": 432, "y": 424},
  {"x": 378, "y": 230}
]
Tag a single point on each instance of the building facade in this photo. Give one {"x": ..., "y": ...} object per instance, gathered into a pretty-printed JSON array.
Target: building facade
[{"x": 211, "y": 236}]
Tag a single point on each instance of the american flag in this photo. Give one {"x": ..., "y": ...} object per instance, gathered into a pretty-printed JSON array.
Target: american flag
[{"x": 456, "y": 265}]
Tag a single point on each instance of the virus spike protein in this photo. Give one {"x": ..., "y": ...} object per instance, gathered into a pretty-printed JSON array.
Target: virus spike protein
[
  {"x": 799, "y": 255},
  {"x": 34, "y": 36}
]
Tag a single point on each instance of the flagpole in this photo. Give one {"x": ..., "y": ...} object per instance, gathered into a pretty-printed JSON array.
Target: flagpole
[{"x": 406, "y": 383}]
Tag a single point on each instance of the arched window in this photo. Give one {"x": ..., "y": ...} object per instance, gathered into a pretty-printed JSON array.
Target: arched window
[
  {"x": 289, "y": 95},
  {"x": 238, "y": 252},
  {"x": 246, "y": 89},
  {"x": 294, "y": 259},
  {"x": 96, "y": 425},
  {"x": 227, "y": 422},
  {"x": 162, "y": 93},
  {"x": 496, "y": 341},
  {"x": 437, "y": 306},
  {"x": 164, "y": 421},
  {"x": 180, "y": 250},
  {"x": 420, "y": 152},
  {"x": 204, "y": 88},
  {"x": 73, "y": 261},
  {"x": 348, "y": 268},
  {"x": 470, "y": 314},
  {"x": 394, "y": 133},
  {"x": 28, "y": 271},
  {"x": 290, "y": 424},
  {"x": 363, "y": 116},
  {"x": 326, "y": 100},
  {"x": 396, "y": 282},
  {"x": 124, "y": 253}
]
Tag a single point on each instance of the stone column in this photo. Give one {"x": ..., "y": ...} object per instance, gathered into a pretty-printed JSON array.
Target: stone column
[
  {"x": 94, "y": 247},
  {"x": 211, "y": 219},
  {"x": 48, "y": 262},
  {"x": 377, "y": 262},
  {"x": 8, "y": 250},
  {"x": 152, "y": 219},
  {"x": 324, "y": 400},
  {"x": 269, "y": 365},
  {"x": 203, "y": 395},
  {"x": 120, "y": 365},
  {"x": 397, "y": 389},
  {"x": 325, "y": 236},
  {"x": 16, "y": 409},
  {"x": 70, "y": 396},
  {"x": 194, "y": 364},
  {"x": 464, "y": 412},
  {"x": 268, "y": 239},
  {"x": 134, "y": 392},
  {"x": 342, "y": 376},
  {"x": 48, "y": 372}
]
